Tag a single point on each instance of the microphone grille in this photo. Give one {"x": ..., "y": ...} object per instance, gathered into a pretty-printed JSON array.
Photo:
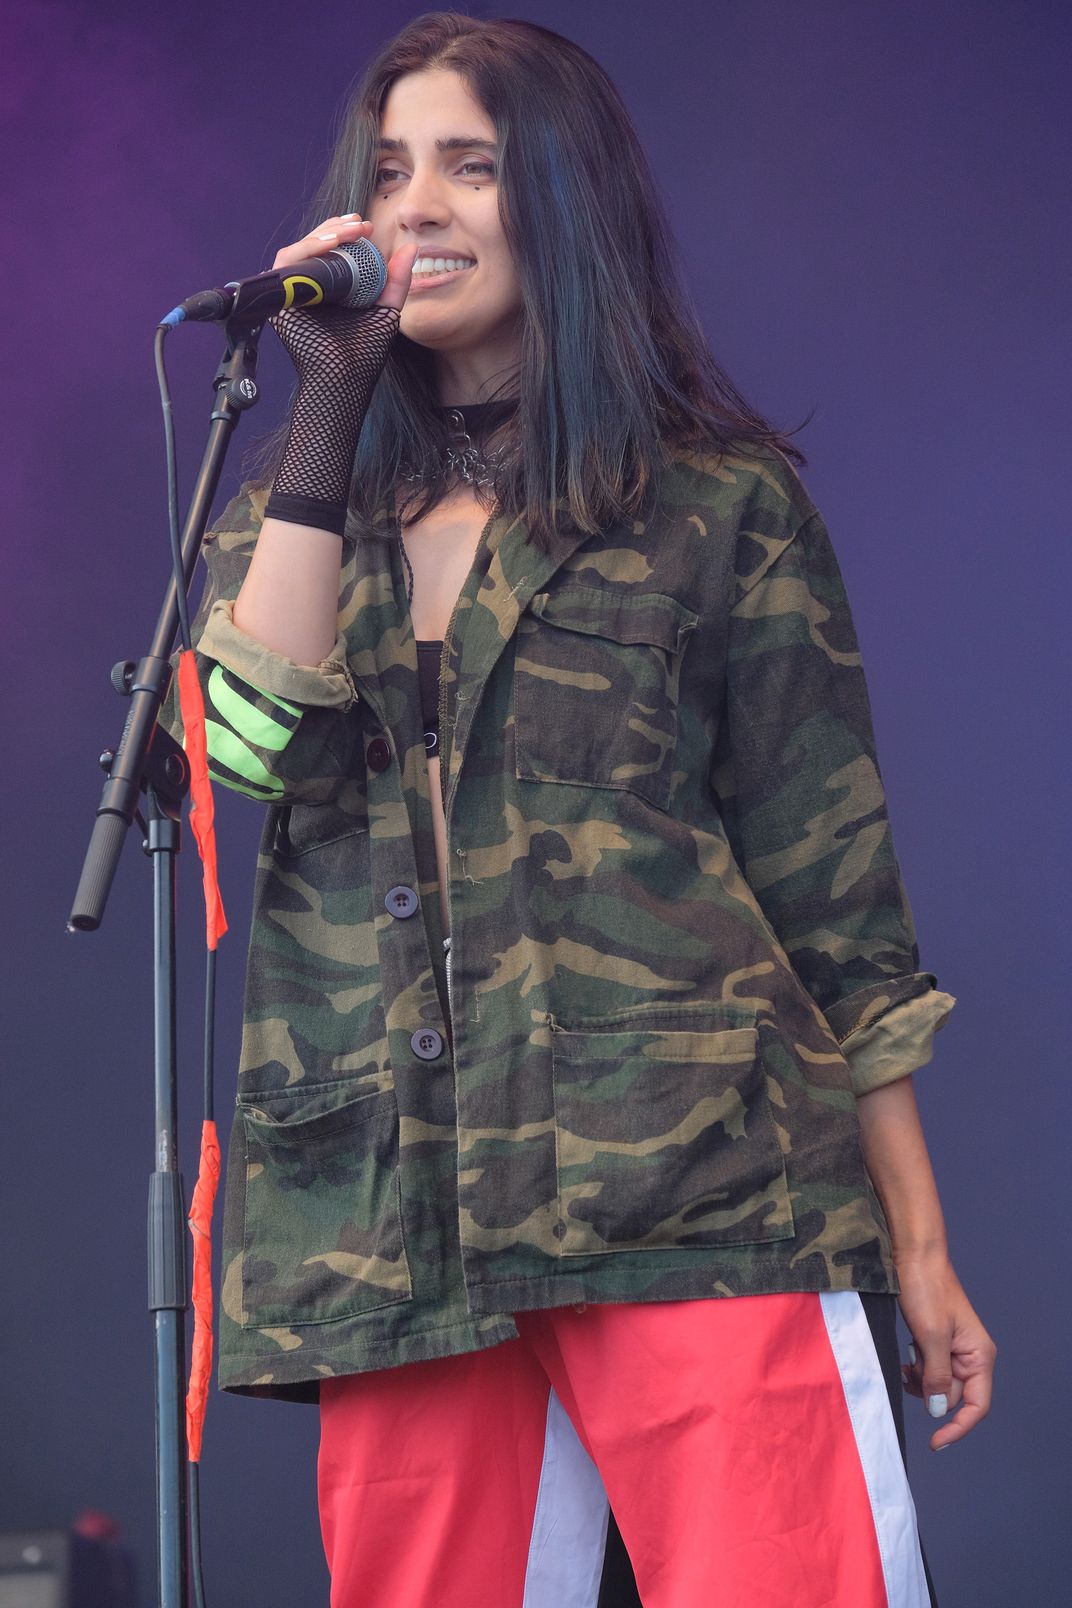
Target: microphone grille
[{"x": 369, "y": 272}]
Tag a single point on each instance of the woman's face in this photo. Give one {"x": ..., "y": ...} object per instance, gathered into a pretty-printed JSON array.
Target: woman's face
[{"x": 447, "y": 202}]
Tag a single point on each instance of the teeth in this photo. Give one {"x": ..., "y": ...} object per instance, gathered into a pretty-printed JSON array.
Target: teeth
[{"x": 439, "y": 265}]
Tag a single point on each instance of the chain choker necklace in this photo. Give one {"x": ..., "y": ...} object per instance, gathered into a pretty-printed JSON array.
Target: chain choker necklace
[{"x": 468, "y": 426}]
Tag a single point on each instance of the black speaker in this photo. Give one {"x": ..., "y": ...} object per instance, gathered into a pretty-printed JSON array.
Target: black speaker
[{"x": 58, "y": 1569}]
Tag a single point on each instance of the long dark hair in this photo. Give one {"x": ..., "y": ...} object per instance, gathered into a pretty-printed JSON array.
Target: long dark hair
[{"x": 615, "y": 369}]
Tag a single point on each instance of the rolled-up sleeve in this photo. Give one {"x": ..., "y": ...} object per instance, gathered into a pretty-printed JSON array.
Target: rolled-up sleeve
[
  {"x": 327, "y": 685},
  {"x": 805, "y": 812},
  {"x": 897, "y": 1041}
]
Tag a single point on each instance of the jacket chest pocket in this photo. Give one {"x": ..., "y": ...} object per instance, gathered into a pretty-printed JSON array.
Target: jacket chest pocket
[{"x": 596, "y": 677}]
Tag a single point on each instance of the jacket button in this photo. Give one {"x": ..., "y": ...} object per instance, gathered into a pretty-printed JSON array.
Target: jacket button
[
  {"x": 401, "y": 901},
  {"x": 427, "y": 1043},
  {"x": 378, "y": 753}
]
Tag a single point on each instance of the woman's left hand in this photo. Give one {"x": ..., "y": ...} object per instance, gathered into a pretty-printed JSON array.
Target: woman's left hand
[{"x": 954, "y": 1355}]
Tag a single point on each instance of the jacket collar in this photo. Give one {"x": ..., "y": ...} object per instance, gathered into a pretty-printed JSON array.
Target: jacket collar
[{"x": 483, "y": 628}]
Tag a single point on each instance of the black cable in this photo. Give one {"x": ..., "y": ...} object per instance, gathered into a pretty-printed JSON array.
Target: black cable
[
  {"x": 173, "y": 484},
  {"x": 194, "y": 1470},
  {"x": 193, "y": 1492},
  {"x": 210, "y": 1034}
]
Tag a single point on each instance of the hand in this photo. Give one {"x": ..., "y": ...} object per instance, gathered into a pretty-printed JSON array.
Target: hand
[
  {"x": 954, "y": 1355},
  {"x": 339, "y": 354},
  {"x": 331, "y": 345},
  {"x": 335, "y": 232}
]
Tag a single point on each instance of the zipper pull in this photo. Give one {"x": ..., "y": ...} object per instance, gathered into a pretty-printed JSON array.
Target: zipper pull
[{"x": 446, "y": 948}]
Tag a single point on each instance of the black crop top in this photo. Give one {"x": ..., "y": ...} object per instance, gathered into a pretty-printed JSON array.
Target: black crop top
[{"x": 428, "y": 657}]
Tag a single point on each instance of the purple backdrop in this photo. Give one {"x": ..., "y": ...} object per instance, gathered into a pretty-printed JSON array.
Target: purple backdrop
[{"x": 871, "y": 202}]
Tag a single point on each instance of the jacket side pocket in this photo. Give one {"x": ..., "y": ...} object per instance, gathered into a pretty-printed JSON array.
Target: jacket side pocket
[
  {"x": 322, "y": 1219},
  {"x": 665, "y": 1140}
]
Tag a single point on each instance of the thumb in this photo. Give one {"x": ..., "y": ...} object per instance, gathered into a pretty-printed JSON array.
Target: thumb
[
  {"x": 399, "y": 274},
  {"x": 937, "y": 1376}
]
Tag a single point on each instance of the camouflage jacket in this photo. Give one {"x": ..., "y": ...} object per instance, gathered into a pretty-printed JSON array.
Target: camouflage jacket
[{"x": 680, "y": 944}]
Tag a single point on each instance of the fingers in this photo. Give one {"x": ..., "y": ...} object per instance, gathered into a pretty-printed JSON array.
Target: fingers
[
  {"x": 338, "y": 231},
  {"x": 332, "y": 232},
  {"x": 935, "y": 1372},
  {"x": 952, "y": 1378},
  {"x": 912, "y": 1380},
  {"x": 975, "y": 1407}
]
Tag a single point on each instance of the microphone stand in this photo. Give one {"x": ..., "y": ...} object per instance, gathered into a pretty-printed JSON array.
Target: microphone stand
[{"x": 148, "y": 760}]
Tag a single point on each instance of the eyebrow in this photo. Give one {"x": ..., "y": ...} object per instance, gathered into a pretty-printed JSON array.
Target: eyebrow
[{"x": 460, "y": 142}]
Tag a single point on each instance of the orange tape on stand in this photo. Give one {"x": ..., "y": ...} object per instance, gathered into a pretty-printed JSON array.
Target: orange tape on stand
[
  {"x": 202, "y": 811},
  {"x": 202, "y": 822},
  {"x": 200, "y": 1220}
]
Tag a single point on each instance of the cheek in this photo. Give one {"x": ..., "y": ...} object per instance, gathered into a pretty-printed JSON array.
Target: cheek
[
  {"x": 378, "y": 214},
  {"x": 511, "y": 284},
  {"x": 498, "y": 256}
]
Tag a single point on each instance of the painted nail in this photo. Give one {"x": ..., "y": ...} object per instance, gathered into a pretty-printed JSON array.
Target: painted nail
[
  {"x": 937, "y": 1406},
  {"x": 912, "y": 1357},
  {"x": 327, "y": 237}
]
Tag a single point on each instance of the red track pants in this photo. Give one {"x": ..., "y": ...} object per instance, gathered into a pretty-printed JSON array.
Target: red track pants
[{"x": 746, "y": 1445}]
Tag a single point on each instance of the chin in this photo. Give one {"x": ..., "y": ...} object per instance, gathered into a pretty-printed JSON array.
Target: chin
[{"x": 424, "y": 334}]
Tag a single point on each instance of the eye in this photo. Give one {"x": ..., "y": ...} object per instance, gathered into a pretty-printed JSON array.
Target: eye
[{"x": 472, "y": 169}]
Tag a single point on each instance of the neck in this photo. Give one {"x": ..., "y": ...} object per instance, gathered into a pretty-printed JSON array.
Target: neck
[{"x": 468, "y": 377}]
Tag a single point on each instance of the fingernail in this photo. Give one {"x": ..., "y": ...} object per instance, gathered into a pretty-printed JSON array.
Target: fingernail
[
  {"x": 937, "y": 1406},
  {"x": 912, "y": 1357},
  {"x": 944, "y": 1446},
  {"x": 351, "y": 217},
  {"x": 327, "y": 237}
]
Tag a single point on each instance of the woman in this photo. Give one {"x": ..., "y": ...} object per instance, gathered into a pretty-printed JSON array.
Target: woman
[{"x": 576, "y": 1152}]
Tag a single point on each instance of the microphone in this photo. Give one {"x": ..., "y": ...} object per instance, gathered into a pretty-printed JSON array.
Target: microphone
[{"x": 353, "y": 274}]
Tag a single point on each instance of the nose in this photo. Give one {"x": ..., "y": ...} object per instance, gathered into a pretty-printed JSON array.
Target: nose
[{"x": 425, "y": 201}]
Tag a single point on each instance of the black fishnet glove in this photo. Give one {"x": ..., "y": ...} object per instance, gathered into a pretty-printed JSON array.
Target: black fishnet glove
[{"x": 339, "y": 353}]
